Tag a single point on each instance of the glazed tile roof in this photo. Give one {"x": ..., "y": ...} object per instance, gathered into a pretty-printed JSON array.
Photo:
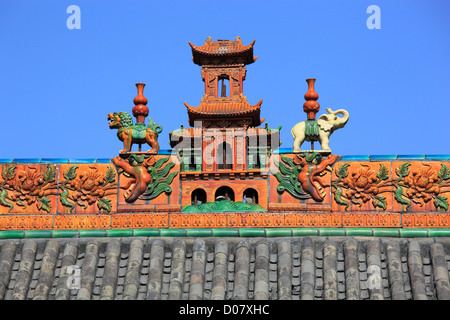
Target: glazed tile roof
[
  {"x": 226, "y": 268},
  {"x": 224, "y": 109},
  {"x": 223, "y": 48}
]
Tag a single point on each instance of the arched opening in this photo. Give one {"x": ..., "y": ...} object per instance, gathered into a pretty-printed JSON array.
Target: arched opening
[
  {"x": 250, "y": 196},
  {"x": 224, "y": 86},
  {"x": 224, "y": 156},
  {"x": 198, "y": 196},
  {"x": 224, "y": 193}
]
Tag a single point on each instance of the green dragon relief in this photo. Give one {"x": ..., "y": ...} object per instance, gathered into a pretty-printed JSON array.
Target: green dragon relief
[{"x": 150, "y": 177}]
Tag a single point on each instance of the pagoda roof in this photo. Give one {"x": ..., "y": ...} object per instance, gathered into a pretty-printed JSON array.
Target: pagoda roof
[
  {"x": 223, "y": 48},
  {"x": 224, "y": 109}
]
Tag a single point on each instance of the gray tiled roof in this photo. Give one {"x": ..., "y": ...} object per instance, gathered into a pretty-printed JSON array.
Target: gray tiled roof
[{"x": 226, "y": 268}]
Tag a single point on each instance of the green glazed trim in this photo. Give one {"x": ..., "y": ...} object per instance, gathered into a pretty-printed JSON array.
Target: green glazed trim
[
  {"x": 413, "y": 233},
  {"x": 199, "y": 232},
  {"x": 438, "y": 233},
  {"x": 120, "y": 233},
  {"x": 359, "y": 232},
  {"x": 9, "y": 234},
  {"x": 252, "y": 232},
  {"x": 278, "y": 232},
  {"x": 302, "y": 232},
  {"x": 146, "y": 232},
  {"x": 382, "y": 232},
  {"x": 173, "y": 232},
  {"x": 332, "y": 232},
  {"x": 65, "y": 233},
  {"x": 92, "y": 233},
  {"x": 225, "y": 232},
  {"x": 38, "y": 234}
]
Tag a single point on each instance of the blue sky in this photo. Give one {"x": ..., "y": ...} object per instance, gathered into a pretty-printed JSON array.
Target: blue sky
[{"x": 58, "y": 85}]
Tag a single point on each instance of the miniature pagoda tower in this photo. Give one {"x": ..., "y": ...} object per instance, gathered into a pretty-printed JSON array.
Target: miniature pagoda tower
[{"x": 224, "y": 141}]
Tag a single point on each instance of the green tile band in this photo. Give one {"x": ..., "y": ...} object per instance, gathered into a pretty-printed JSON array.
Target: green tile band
[
  {"x": 252, "y": 232},
  {"x": 65, "y": 233},
  {"x": 199, "y": 232},
  {"x": 38, "y": 234},
  {"x": 146, "y": 232},
  {"x": 303, "y": 232},
  {"x": 413, "y": 233},
  {"x": 359, "y": 232},
  {"x": 278, "y": 232},
  {"x": 92, "y": 233},
  {"x": 224, "y": 232},
  {"x": 331, "y": 231},
  {"x": 173, "y": 232},
  {"x": 385, "y": 232},
  {"x": 11, "y": 234},
  {"x": 120, "y": 233}
]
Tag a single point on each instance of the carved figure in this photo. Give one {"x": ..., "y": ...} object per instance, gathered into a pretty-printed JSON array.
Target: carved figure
[
  {"x": 327, "y": 124},
  {"x": 149, "y": 177},
  {"x": 301, "y": 176},
  {"x": 138, "y": 133}
]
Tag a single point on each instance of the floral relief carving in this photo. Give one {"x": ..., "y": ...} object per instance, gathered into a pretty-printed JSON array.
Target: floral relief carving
[
  {"x": 88, "y": 187},
  {"x": 361, "y": 185},
  {"x": 25, "y": 186},
  {"x": 421, "y": 185}
]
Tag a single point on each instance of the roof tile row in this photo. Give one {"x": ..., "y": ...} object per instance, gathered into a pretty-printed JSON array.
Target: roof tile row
[{"x": 307, "y": 268}]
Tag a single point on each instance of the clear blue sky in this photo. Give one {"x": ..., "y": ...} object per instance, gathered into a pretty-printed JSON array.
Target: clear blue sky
[{"x": 58, "y": 85}]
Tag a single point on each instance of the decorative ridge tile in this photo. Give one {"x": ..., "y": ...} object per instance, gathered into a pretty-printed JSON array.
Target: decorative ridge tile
[
  {"x": 355, "y": 157},
  {"x": 411, "y": 157},
  {"x": 383, "y": 157},
  {"x": 437, "y": 156},
  {"x": 27, "y": 160},
  {"x": 82, "y": 160}
]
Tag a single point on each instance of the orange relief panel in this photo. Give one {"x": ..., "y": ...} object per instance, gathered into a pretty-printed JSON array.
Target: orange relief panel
[
  {"x": 296, "y": 220},
  {"x": 78, "y": 221},
  {"x": 139, "y": 221},
  {"x": 310, "y": 186},
  {"x": 421, "y": 186},
  {"x": 255, "y": 220},
  {"x": 87, "y": 188},
  {"x": 371, "y": 220},
  {"x": 362, "y": 186},
  {"x": 28, "y": 188},
  {"x": 426, "y": 220},
  {"x": 198, "y": 220},
  {"x": 26, "y": 222},
  {"x": 154, "y": 187},
  {"x": 238, "y": 187}
]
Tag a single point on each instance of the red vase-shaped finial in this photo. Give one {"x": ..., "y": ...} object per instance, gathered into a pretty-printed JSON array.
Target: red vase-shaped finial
[
  {"x": 140, "y": 110},
  {"x": 311, "y": 106}
]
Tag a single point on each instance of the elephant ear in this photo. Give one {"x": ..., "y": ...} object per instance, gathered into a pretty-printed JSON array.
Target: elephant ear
[{"x": 324, "y": 124}]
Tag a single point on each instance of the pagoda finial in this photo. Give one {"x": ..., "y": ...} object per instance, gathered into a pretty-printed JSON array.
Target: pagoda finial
[
  {"x": 140, "y": 110},
  {"x": 311, "y": 107}
]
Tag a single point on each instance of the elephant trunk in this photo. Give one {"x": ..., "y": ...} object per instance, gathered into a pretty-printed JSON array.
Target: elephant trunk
[{"x": 344, "y": 119}]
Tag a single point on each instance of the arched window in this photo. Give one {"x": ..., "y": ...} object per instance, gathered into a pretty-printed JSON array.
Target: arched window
[
  {"x": 198, "y": 196},
  {"x": 224, "y": 193},
  {"x": 224, "y": 156},
  {"x": 250, "y": 196},
  {"x": 224, "y": 86}
]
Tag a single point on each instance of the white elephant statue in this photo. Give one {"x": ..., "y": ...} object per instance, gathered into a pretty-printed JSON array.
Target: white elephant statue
[{"x": 327, "y": 123}]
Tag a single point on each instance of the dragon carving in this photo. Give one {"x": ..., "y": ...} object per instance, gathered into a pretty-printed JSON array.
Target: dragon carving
[
  {"x": 302, "y": 175},
  {"x": 149, "y": 176}
]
